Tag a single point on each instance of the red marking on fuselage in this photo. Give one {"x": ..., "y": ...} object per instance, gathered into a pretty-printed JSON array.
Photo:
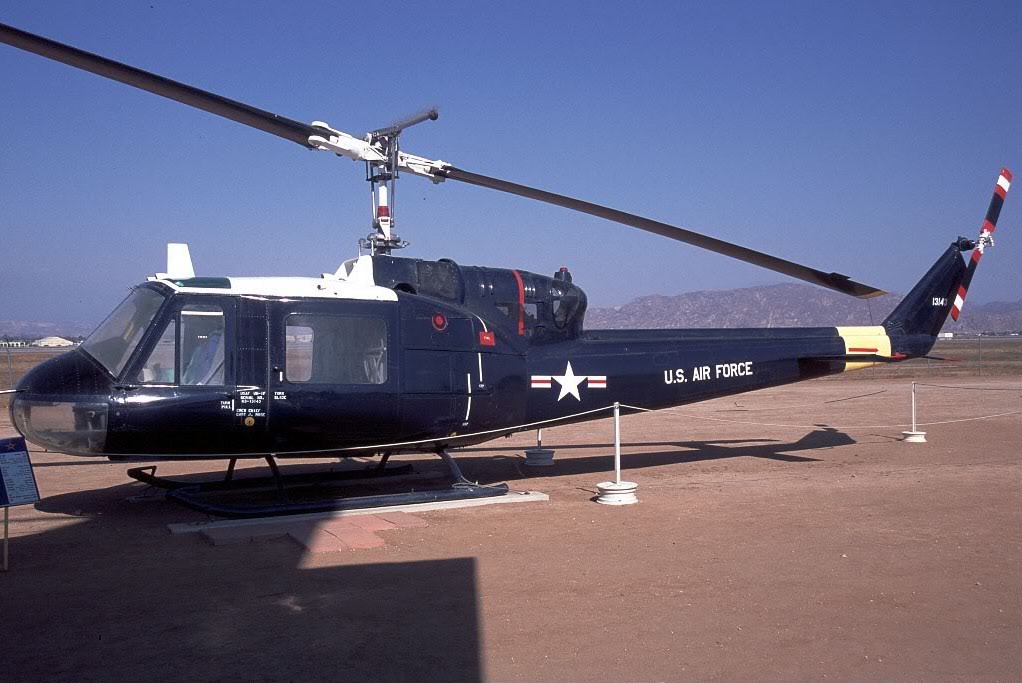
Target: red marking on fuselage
[{"x": 521, "y": 303}]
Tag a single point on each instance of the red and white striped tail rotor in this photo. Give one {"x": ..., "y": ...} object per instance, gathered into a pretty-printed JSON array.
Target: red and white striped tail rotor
[{"x": 985, "y": 238}]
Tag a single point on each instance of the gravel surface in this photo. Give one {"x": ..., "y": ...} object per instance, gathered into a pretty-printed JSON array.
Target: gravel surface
[{"x": 785, "y": 534}]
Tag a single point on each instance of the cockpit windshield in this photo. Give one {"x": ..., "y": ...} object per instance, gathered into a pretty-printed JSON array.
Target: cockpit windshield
[{"x": 114, "y": 340}]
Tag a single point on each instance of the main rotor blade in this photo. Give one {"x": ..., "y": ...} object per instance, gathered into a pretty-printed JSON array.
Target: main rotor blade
[
  {"x": 295, "y": 131},
  {"x": 835, "y": 281}
]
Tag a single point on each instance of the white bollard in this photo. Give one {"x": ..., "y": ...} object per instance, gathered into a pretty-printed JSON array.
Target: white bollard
[
  {"x": 617, "y": 492},
  {"x": 914, "y": 436}
]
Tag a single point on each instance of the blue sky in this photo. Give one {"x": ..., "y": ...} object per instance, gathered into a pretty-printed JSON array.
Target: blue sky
[{"x": 857, "y": 137}]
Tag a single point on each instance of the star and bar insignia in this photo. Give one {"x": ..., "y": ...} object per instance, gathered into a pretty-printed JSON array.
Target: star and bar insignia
[{"x": 569, "y": 382}]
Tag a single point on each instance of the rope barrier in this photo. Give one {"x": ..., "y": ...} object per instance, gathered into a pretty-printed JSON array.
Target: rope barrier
[
  {"x": 819, "y": 426},
  {"x": 815, "y": 403},
  {"x": 951, "y": 386}
]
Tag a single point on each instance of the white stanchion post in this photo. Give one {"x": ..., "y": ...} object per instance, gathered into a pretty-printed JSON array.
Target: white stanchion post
[
  {"x": 914, "y": 436},
  {"x": 914, "y": 407},
  {"x": 616, "y": 492},
  {"x": 617, "y": 443}
]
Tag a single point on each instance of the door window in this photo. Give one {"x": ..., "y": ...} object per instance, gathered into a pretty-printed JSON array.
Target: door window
[
  {"x": 190, "y": 352},
  {"x": 202, "y": 345},
  {"x": 331, "y": 349}
]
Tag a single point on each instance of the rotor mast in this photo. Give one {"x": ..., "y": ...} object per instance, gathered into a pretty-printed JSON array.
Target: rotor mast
[{"x": 381, "y": 151}]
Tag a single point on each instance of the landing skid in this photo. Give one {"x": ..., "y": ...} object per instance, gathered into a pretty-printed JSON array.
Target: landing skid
[{"x": 191, "y": 494}]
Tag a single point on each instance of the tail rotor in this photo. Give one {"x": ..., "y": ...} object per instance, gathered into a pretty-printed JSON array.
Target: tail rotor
[{"x": 985, "y": 238}]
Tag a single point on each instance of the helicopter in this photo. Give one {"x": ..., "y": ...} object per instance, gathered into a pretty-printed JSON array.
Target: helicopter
[{"x": 391, "y": 355}]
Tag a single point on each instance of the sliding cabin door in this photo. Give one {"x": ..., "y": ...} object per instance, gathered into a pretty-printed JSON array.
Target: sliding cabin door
[{"x": 334, "y": 375}]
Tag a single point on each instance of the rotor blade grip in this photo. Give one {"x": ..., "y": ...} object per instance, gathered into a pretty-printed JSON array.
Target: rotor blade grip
[
  {"x": 295, "y": 131},
  {"x": 835, "y": 281}
]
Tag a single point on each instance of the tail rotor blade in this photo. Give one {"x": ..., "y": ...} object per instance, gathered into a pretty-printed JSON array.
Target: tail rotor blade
[
  {"x": 985, "y": 238},
  {"x": 835, "y": 281}
]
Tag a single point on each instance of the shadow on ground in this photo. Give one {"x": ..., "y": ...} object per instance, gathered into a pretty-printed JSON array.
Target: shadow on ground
[
  {"x": 112, "y": 596},
  {"x": 487, "y": 468},
  {"x": 495, "y": 468}
]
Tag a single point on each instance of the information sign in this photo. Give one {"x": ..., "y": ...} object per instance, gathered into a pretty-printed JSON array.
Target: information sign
[{"x": 17, "y": 480}]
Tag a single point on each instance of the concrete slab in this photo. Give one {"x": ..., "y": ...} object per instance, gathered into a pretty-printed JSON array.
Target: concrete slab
[
  {"x": 370, "y": 522},
  {"x": 513, "y": 497},
  {"x": 315, "y": 539},
  {"x": 403, "y": 519},
  {"x": 354, "y": 536},
  {"x": 234, "y": 536}
]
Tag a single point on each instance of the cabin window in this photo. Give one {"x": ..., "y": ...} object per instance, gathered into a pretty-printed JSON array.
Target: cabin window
[
  {"x": 298, "y": 346},
  {"x": 331, "y": 349},
  {"x": 190, "y": 352}
]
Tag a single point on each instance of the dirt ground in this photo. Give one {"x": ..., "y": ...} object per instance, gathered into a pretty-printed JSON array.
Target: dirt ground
[{"x": 781, "y": 535}]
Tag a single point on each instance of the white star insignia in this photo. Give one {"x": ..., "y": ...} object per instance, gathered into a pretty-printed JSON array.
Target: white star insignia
[{"x": 569, "y": 382}]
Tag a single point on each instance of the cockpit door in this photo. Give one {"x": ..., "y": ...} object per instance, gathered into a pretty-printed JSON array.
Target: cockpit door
[{"x": 178, "y": 393}]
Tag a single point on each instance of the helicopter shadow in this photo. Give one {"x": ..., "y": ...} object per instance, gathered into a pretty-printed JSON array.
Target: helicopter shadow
[
  {"x": 112, "y": 596},
  {"x": 685, "y": 452}
]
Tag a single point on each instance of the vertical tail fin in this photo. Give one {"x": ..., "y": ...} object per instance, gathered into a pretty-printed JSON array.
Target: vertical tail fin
[
  {"x": 985, "y": 238},
  {"x": 942, "y": 290},
  {"x": 926, "y": 307}
]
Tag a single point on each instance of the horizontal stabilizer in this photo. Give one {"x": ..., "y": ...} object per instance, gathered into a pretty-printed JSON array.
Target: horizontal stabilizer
[{"x": 856, "y": 358}]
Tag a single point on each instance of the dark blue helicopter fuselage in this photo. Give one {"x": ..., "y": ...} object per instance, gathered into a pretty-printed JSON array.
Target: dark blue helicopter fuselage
[{"x": 459, "y": 356}]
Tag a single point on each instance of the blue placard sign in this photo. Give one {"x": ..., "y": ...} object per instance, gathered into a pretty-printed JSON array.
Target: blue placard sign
[{"x": 17, "y": 480}]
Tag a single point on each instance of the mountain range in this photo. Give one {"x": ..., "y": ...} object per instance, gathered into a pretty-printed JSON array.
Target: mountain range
[
  {"x": 785, "y": 305},
  {"x": 781, "y": 305}
]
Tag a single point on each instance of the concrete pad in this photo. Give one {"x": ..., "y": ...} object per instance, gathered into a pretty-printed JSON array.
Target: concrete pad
[
  {"x": 316, "y": 539},
  {"x": 512, "y": 497},
  {"x": 403, "y": 519},
  {"x": 234, "y": 536},
  {"x": 355, "y": 537},
  {"x": 371, "y": 522}
]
